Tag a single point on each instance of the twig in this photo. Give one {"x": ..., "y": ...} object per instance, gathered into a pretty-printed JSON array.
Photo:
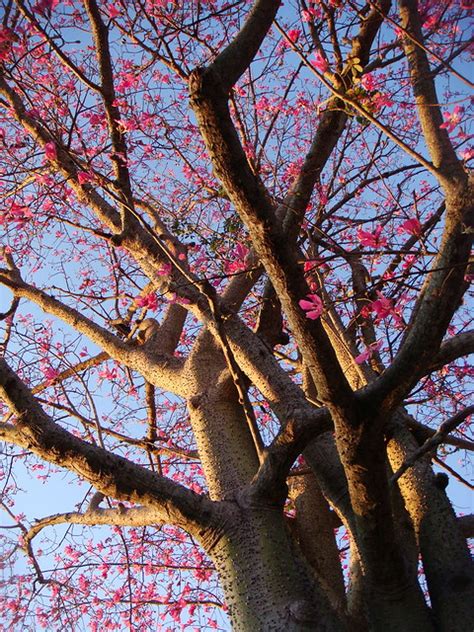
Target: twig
[{"x": 431, "y": 443}]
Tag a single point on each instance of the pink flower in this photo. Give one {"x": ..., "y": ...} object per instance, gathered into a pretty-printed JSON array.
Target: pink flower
[
  {"x": 368, "y": 82},
  {"x": 452, "y": 120},
  {"x": 50, "y": 151},
  {"x": 108, "y": 373},
  {"x": 126, "y": 125},
  {"x": 96, "y": 119},
  {"x": 384, "y": 307},
  {"x": 368, "y": 353},
  {"x": 372, "y": 240},
  {"x": 44, "y": 7},
  {"x": 293, "y": 35},
  {"x": 112, "y": 11},
  {"x": 18, "y": 213},
  {"x": 165, "y": 269},
  {"x": 313, "y": 307},
  {"x": 320, "y": 63},
  {"x": 408, "y": 262},
  {"x": 50, "y": 374},
  {"x": 467, "y": 153},
  {"x": 239, "y": 256},
  {"x": 84, "y": 176},
  {"x": 310, "y": 14},
  {"x": 379, "y": 100},
  {"x": 412, "y": 226},
  {"x": 127, "y": 80},
  {"x": 117, "y": 596},
  {"x": 241, "y": 252},
  {"x": 149, "y": 301},
  {"x": 310, "y": 265}
]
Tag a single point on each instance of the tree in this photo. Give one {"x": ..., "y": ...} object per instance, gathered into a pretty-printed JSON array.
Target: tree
[{"x": 236, "y": 243}]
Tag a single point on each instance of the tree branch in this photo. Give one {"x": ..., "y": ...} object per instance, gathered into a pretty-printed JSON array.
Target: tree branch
[
  {"x": 112, "y": 112},
  {"x": 437, "y": 139},
  {"x": 457, "y": 346},
  {"x": 161, "y": 370},
  {"x": 254, "y": 206},
  {"x": 111, "y": 474},
  {"x": 122, "y": 516},
  {"x": 431, "y": 443},
  {"x": 269, "y": 482},
  {"x": 234, "y": 60}
]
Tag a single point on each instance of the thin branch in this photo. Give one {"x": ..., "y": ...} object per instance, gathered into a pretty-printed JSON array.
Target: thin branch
[
  {"x": 458, "y": 346},
  {"x": 72, "y": 371},
  {"x": 453, "y": 473},
  {"x": 430, "y": 444},
  {"x": 423, "y": 433},
  {"x": 107, "y": 90},
  {"x": 122, "y": 516}
]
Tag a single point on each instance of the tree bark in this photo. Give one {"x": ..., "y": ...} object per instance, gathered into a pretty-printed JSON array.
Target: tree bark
[{"x": 268, "y": 585}]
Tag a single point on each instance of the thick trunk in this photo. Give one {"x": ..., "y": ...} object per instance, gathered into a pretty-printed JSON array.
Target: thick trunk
[{"x": 267, "y": 583}]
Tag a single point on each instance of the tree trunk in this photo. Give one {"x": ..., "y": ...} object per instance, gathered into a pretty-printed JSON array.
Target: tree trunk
[{"x": 267, "y": 583}]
